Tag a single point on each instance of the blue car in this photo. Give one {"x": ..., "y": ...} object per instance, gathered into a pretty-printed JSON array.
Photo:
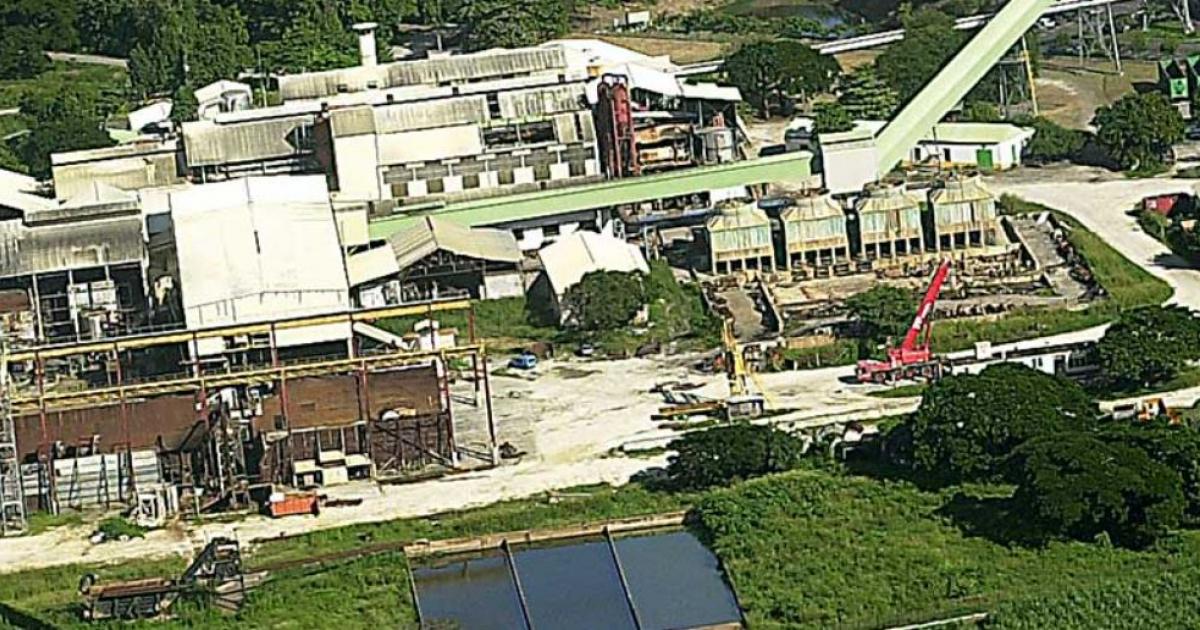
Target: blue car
[{"x": 523, "y": 361}]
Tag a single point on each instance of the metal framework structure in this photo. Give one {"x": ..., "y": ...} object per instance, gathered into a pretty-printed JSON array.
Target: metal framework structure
[{"x": 12, "y": 499}]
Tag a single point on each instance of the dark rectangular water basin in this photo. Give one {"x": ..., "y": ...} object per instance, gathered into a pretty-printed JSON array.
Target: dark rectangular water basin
[{"x": 656, "y": 581}]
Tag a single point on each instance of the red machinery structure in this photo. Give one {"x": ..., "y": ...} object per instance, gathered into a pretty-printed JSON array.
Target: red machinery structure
[
  {"x": 615, "y": 128},
  {"x": 912, "y": 358}
]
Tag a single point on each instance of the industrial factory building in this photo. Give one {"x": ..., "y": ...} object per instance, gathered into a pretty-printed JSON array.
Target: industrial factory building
[{"x": 260, "y": 249}]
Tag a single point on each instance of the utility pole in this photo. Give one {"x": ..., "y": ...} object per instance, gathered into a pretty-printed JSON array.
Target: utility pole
[{"x": 12, "y": 496}]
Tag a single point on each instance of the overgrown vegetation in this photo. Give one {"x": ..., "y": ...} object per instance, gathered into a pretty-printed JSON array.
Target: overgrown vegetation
[
  {"x": 813, "y": 550},
  {"x": 1138, "y": 130},
  {"x": 1148, "y": 346}
]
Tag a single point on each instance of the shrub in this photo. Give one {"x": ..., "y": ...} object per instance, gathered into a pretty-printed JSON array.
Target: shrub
[{"x": 725, "y": 454}]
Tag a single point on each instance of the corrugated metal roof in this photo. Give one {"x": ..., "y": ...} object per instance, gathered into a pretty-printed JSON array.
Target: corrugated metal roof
[
  {"x": 431, "y": 114},
  {"x": 813, "y": 207},
  {"x": 541, "y": 101},
  {"x": 25, "y": 250},
  {"x": 372, "y": 264},
  {"x": 430, "y": 235},
  {"x": 127, "y": 173},
  {"x": 886, "y": 198},
  {"x": 739, "y": 217},
  {"x": 208, "y": 143},
  {"x": 976, "y": 133},
  {"x": 438, "y": 71},
  {"x": 571, "y": 257},
  {"x": 258, "y": 248},
  {"x": 961, "y": 191}
]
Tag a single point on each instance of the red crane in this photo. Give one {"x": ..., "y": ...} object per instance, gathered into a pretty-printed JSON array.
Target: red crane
[{"x": 913, "y": 356}]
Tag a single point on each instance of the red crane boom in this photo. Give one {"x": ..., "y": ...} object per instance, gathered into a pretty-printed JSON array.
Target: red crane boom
[{"x": 913, "y": 356}]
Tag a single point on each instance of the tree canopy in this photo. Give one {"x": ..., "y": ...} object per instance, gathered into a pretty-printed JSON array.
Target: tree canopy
[
  {"x": 1138, "y": 130},
  {"x": 882, "y": 313},
  {"x": 865, "y": 96},
  {"x": 1148, "y": 346},
  {"x": 930, "y": 40},
  {"x": 832, "y": 118},
  {"x": 62, "y": 120},
  {"x": 967, "y": 425},
  {"x": 513, "y": 23},
  {"x": 604, "y": 300},
  {"x": 1078, "y": 486},
  {"x": 769, "y": 73},
  {"x": 1175, "y": 446},
  {"x": 721, "y": 455}
]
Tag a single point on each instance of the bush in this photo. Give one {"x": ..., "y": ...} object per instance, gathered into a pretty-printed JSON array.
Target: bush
[
  {"x": 722, "y": 455},
  {"x": 116, "y": 527},
  {"x": 967, "y": 425},
  {"x": 1148, "y": 346},
  {"x": 1078, "y": 486},
  {"x": 1052, "y": 142}
]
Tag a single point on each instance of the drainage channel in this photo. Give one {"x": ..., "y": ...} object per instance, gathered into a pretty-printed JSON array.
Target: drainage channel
[{"x": 648, "y": 581}]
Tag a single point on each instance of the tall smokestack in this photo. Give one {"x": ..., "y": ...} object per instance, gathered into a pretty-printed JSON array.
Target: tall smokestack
[{"x": 366, "y": 43}]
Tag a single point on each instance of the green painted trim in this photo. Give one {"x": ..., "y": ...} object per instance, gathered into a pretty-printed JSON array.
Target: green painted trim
[{"x": 788, "y": 167}]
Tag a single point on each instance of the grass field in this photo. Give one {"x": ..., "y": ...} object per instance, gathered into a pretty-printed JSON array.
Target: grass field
[{"x": 814, "y": 550}]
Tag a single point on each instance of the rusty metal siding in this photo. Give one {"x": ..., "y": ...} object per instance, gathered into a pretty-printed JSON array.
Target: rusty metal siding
[{"x": 167, "y": 419}]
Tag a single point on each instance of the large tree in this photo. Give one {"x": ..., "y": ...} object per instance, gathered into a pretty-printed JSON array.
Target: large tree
[
  {"x": 1148, "y": 346},
  {"x": 1139, "y": 130},
  {"x": 1175, "y": 446},
  {"x": 769, "y": 73},
  {"x": 62, "y": 120},
  {"x": 930, "y": 40},
  {"x": 30, "y": 27},
  {"x": 721, "y": 455},
  {"x": 967, "y": 425},
  {"x": 512, "y": 23},
  {"x": 195, "y": 41},
  {"x": 865, "y": 96},
  {"x": 831, "y": 117},
  {"x": 604, "y": 300},
  {"x": 881, "y": 313},
  {"x": 1077, "y": 486}
]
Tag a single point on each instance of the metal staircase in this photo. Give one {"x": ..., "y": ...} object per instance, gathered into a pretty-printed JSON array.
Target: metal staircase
[{"x": 12, "y": 497}]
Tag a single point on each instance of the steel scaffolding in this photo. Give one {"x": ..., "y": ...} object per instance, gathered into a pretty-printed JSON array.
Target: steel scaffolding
[{"x": 12, "y": 500}]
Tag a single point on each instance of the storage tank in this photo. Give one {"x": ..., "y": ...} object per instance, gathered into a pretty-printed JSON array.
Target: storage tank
[
  {"x": 964, "y": 214},
  {"x": 739, "y": 239},
  {"x": 814, "y": 232},
  {"x": 889, "y": 221}
]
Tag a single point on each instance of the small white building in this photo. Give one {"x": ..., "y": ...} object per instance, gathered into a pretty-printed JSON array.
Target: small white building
[{"x": 987, "y": 146}]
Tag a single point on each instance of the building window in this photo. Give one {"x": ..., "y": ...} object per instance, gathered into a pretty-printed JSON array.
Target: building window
[
  {"x": 541, "y": 172},
  {"x": 946, "y": 154},
  {"x": 436, "y": 186},
  {"x": 470, "y": 181},
  {"x": 550, "y": 230},
  {"x": 505, "y": 177}
]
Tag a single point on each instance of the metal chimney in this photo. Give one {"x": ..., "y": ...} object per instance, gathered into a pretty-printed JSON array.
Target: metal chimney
[{"x": 366, "y": 43}]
